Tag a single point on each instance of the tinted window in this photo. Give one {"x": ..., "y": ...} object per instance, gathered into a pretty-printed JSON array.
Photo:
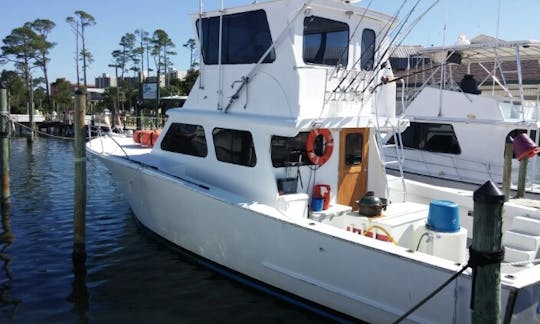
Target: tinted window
[
  {"x": 186, "y": 139},
  {"x": 245, "y": 38},
  {"x": 367, "y": 58},
  {"x": 289, "y": 151},
  {"x": 234, "y": 146},
  {"x": 430, "y": 137},
  {"x": 325, "y": 41},
  {"x": 353, "y": 149}
]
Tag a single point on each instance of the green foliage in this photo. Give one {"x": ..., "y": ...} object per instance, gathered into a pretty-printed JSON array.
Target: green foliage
[
  {"x": 63, "y": 94},
  {"x": 43, "y": 27},
  {"x": 16, "y": 91}
]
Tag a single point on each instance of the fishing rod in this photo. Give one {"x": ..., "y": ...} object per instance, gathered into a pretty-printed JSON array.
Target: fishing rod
[
  {"x": 384, "y": 54},
  {"x": 408, "y": 30},
  {"x": 386, "y": 30}
]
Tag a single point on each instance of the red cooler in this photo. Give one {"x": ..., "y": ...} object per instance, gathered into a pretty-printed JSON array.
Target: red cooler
[{"x": 322, "y": 191}]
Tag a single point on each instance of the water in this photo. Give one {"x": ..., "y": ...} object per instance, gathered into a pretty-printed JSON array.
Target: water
[{"x": 131, "y": 276}]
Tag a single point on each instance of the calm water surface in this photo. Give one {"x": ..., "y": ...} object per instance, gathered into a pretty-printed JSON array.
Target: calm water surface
[{"x": 131, "y": 277}]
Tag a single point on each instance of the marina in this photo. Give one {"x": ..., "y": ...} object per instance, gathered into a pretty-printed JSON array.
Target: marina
[
  {"x": 258, "y": 187},
  {"x": 321, "y": 197}
]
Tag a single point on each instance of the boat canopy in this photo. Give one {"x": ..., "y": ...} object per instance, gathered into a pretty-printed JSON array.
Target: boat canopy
[{"x": 486, "y": 52}]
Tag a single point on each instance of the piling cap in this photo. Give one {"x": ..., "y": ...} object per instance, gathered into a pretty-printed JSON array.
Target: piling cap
[
  {"x": 79, "y": 92},
  {"x": 488, "y": 193}
]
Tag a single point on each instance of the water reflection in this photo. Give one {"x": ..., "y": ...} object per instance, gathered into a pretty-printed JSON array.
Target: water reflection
[
  {"x": 79, "y": 290},
  {"x": 6, "y": 239}
]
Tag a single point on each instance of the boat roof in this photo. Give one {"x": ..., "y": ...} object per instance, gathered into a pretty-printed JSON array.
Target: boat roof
[
  {"x": 488, "y": 52},
  {"x": 347, "y": 6}
]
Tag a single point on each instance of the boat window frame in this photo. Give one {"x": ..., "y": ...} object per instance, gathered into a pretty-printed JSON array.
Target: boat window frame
[
  {"x": 367, "y": 50},
  {"x": 177, "y": 140},
  {"x": 354, "y": 149},
  {"x": 322, "y": 53},
  {"x": 425, "y": 137},
  {"x": 234, "y": 48},
  {"x": 244, "y": 157},
  {"x": 289, "y": 151}
]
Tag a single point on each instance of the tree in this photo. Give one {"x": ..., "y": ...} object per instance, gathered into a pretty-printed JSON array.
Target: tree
[
  {"x": 143, "y": 40},
  {"x": 62, "y": 94},
  {"x": 82, "y": 20},
  {"x": 16, "y": 89},
  {"x": 43, "y": 27},
  {"x": 162, "y": 46},
  {"x": 20, "y": 47},
  {"x": 189, "y": 81},
  {"x": 191, "y": 45}
]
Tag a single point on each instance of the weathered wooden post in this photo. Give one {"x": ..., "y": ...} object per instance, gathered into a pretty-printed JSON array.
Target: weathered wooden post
[
  {"x": 524, "y": 149},
  {"x": 79, "y": 219},
  {"x": 507, "y": 168},
  {"x": 522, "y": 177},
  {"x": 79, "y": 292},
  {"x": 4, "y": 138},
  {"x": 486, "y": 254}
]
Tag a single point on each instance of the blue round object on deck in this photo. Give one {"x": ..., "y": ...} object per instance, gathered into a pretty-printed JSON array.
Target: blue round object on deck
[{"x": 443, "y": 216}]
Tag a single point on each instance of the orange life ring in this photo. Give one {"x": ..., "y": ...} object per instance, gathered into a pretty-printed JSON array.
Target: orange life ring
[{"x": 328, "y": 146}]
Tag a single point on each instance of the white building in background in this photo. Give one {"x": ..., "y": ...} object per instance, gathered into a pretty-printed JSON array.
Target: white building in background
[
  {"x": 105, "y": 81},
  {"x": 175, "y": 74}
]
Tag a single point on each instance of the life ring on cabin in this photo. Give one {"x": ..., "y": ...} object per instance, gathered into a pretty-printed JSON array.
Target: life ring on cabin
[{"x": 328, "y": 144}]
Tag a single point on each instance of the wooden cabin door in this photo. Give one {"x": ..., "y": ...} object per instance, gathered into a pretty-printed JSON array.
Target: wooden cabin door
[{"x": 353, "y": 159}]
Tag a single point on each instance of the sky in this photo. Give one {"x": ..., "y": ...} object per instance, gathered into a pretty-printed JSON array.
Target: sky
[{"x": 518, "y": 20}]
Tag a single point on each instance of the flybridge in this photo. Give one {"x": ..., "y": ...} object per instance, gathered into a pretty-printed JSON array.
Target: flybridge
[{"x": 318, "y": 58}]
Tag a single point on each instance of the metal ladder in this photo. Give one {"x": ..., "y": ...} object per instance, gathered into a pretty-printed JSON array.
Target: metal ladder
[{"x": 399, "y": 153}]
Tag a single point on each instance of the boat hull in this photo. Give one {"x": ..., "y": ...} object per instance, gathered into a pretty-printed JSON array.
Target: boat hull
[{"x": 352, "y": 274}]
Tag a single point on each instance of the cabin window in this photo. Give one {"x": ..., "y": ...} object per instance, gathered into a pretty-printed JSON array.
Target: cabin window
[
  {"x": 430, "y": 137},
  {"x": 326, "y": 41},
  {"x": 245, "y": 38},
  {"x": 289, "y": 151},
  {"x": 367, "y": 57},
  {"x": 186, "y": 139},
  {"x": 353, "y": 149},
  {"x": 234, "y": 146}
]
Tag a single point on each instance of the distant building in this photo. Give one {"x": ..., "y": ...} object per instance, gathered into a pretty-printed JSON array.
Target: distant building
[
  {"x": 105, "y": 81},
  {"x": 175, "y": 74}
]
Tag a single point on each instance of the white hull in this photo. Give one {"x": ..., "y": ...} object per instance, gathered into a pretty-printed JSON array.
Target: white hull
[{"x": 351, "y": 274}]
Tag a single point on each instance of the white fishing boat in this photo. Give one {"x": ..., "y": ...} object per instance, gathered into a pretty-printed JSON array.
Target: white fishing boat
[
  {"x": 272, "y": 173},
  {"x": 463, "y": 101}
]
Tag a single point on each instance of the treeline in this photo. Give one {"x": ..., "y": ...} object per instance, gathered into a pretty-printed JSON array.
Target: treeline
[{"x": 140, "y": 54}]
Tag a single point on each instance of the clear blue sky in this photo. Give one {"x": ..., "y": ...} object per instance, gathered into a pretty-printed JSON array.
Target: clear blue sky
[{"x": 518, "y": 20}]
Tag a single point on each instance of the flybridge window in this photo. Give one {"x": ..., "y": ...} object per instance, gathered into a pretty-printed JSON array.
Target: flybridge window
[
  {"x": 245, "y": 38},
  {"x": 430, "y": 137},
  {"x": 186, "y": 139},
  {"x": 289, "y": 151},
  {"x": 234, "y": 146},
  {"x": 326, "y": 41},
  {"x": 367, "y": 57}
]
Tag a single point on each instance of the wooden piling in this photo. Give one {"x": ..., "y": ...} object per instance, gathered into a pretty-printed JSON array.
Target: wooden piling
[
  {"x": 522, "y": 177},
  {"x": 507, "y": 168},
  {"x": 4, "y": 142},
  {"x": 79, "y": 219},
  {"x": 485, "y": 253}
]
